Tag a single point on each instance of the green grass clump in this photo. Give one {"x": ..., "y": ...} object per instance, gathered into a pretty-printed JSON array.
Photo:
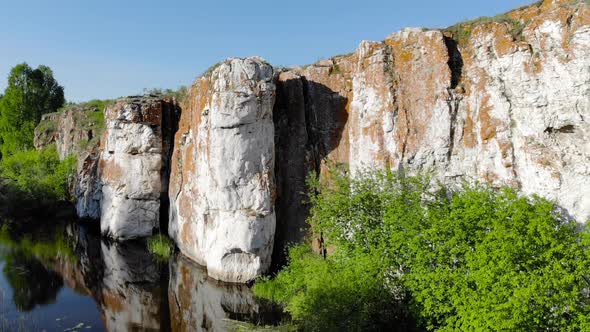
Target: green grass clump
[
  {"x": 160, "y": 246},
  {"x": 100, "y": 104},
  {"x": 238, "y": 326},
  {"x": 407, "y": 256}
]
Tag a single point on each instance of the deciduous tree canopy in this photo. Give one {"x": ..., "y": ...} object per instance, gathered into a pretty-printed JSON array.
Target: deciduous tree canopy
[{"x": 30, "y": 94}]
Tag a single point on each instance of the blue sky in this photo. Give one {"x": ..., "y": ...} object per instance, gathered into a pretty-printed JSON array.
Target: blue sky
[{"x": 106, "y": 49}]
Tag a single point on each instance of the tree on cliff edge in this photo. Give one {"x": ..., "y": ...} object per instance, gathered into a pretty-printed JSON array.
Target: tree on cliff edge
[{"x": 30, "y": 94}]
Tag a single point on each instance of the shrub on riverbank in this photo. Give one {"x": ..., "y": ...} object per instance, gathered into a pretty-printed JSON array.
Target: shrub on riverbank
[
  {"x": 474, "y": 259},
  {"x": 35, "y": 176}
]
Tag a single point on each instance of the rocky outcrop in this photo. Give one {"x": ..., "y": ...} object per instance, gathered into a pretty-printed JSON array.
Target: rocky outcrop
[
  {"x": 504, "y": 101},
  {"x": 76, "y": 131},
  {"x": 88, "y": 188},
  {"x": 133, "y": 165},
  {"x": 222, "y": 181},
  {"x": 72, "y": 130},
  {"x": 123, "y": 160}
]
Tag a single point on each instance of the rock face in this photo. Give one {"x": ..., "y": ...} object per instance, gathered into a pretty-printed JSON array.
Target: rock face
[
  {"x": 72, "y": 130},
  {"x": 77, "y": 131},
  {"x": 503, "y": 105},
  {"x": 503, "y": 100},
  {"x": 133, "y": 166},
  {"x": 222, "y": 181},
  {"x": 123, "y": 160},
  {"x": 88, "y": 188}
]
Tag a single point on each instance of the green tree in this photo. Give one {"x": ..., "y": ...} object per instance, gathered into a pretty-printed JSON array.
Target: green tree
[
  {"x": 474, "y": 259},
  {"x": 30, "y": 94}
]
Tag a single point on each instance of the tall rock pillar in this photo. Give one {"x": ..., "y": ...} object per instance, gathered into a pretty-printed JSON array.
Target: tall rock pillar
[{"x": 222, "y": 187}]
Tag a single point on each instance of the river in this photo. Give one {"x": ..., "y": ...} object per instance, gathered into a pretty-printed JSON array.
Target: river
[{"x": 63, "y": 277}]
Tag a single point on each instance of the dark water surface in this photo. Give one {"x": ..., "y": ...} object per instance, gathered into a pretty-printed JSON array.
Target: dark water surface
[{"x": 64, "y": 277}]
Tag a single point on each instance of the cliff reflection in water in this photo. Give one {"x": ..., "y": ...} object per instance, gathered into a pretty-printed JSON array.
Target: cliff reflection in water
[{"x": 131, "y": 290}]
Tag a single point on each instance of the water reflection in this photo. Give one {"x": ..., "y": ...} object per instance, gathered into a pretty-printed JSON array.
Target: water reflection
[
  {"x": 196, "y": 301},
  {"x": 131, "y": 293},
  {"x": 32, "y": 283},
  {"x": 69, "y": 266}
]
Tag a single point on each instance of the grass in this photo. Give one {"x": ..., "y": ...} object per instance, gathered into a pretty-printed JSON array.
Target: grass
[
  {"x": 47, "y": 125},
  {"x": 237, "y": 326},
  {"x": 37, "y": 175},
  {"x": 462, "y": 31},
  {"x": 160, "y": 246}
]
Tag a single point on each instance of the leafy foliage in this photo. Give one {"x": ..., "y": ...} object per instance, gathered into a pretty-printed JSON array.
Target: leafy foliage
[
  {"x": 339, "y": 293},
  {"x": 30, "y": 94},
  {"x": 474, "y": 259},
  {"x": 36, "y": 175}
]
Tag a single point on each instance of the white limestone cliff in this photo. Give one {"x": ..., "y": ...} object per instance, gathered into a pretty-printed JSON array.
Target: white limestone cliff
[
  {"x": 222, "y": 178},
  {"x": 132, "y": 167}
]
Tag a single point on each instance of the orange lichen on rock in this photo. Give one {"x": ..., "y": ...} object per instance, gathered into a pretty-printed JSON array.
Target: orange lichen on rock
[
  {"x": 469, "y": 136},
  {"x": 113, "y": 302},
  {"x": 488, "y": 125}
]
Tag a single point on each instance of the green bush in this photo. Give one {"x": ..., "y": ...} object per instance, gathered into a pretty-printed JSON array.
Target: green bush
[
  {"x": 339, "y": 293},
  {"x": 36, "y": 175},
  {"x": 160, "y": 246},
  {"x": 474, "y": 259}
]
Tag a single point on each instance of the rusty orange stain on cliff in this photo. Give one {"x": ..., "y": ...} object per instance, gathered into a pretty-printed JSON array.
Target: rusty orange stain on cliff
[
  {"x": 111, "y": 171},
  {"x": 422, "y": 77},
  {"x": 469, "y": 137},
  {"x": 488, "y": 125},
  {"x": 113, "y": 302}
]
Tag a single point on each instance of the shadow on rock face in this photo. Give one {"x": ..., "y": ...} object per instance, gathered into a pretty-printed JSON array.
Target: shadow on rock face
[{"x": 309, "y": 120}]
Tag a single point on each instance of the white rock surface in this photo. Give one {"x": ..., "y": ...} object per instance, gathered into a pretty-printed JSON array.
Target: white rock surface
[
  {"x": 519, "y": 116},
  {"x": 222, "y": 181},
  {"x": 131, "y": 167}
]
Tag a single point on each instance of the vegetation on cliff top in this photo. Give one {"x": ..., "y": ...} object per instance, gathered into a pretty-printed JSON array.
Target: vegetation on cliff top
[
  {"x": 179, "y": 94},
  {"x": 462, "y": 31},
  {"x": 406, "y": 257}
]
